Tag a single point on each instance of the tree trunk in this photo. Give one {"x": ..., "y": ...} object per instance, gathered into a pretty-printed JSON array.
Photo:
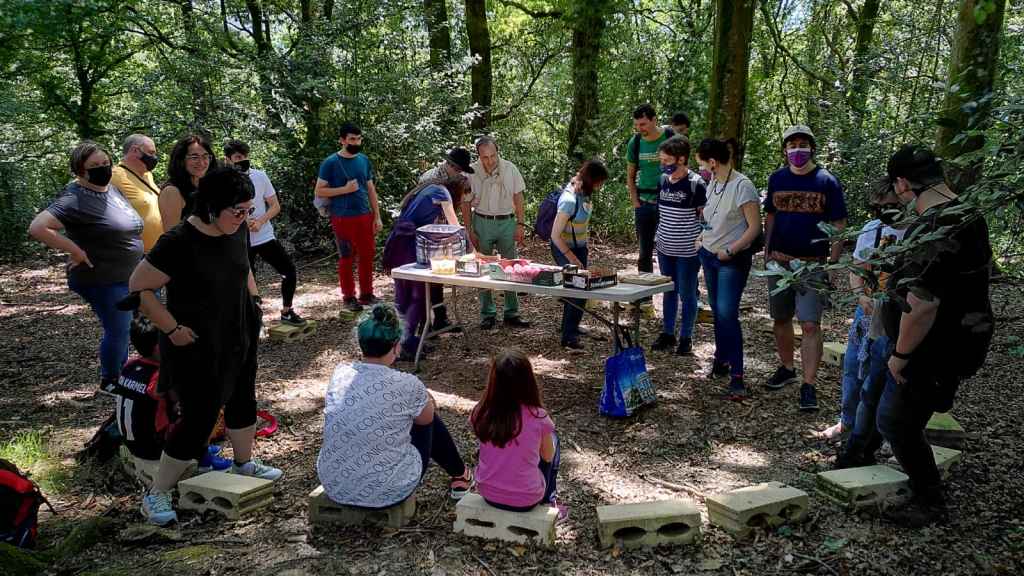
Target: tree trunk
[
  {"x": 482, "y": 90},
  {"x": 862, "y": 70},
  {"x": 435, "y": 14},
  {"x": 200, "y": 103},
  {"x": 588, "y": 24},
  {"x": 972, "y": 72},
  {"x": 734, "y": 25}
]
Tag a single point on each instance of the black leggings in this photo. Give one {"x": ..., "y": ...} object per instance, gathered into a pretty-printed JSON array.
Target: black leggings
[{"x": 274, "y": 254}]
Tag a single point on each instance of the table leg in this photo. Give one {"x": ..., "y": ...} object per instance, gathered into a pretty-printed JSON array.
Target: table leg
[
  {"x": 636, "y": 325},
  {"x": 615, "y": 327},
  {"x": 428, "y": 322},
  {"x": 455, "y": 304}
]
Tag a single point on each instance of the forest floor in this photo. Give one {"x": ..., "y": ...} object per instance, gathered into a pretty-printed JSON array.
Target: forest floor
[{"x": 690, "y": 437}]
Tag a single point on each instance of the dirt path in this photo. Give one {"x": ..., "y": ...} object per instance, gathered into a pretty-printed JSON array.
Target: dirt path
[{"x": 47, "y": 378}]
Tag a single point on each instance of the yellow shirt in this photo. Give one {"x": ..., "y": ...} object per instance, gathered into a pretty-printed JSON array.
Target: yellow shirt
[{"x": 143, "y": 195}]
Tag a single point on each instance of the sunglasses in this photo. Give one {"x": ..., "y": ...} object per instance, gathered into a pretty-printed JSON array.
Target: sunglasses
[
  {"x": 239, "y": 212},
  {"x": 198, "y": 157}
]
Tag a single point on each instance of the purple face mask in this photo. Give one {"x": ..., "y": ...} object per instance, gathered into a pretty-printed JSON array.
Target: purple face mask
[
  {"x": 798, "y": 157},
  {"x": 705, "y": 175}
]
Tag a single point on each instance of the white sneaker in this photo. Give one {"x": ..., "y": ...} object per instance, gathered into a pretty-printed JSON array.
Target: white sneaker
[
  {"x": 256, "y": 469},
  {"x": 158, "y": 509}
]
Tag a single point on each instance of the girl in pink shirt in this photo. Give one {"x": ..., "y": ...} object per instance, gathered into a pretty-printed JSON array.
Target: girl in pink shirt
[{"x": 518, "y": 446}]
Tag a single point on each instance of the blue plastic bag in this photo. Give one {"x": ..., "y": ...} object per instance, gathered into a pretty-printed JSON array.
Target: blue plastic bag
[{"x": 627, "y": 386}]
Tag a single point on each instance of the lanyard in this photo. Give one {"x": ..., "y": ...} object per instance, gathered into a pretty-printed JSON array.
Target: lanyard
[
  {"x": 140, "y": 179},
  {"x": 718, "y": 194}
]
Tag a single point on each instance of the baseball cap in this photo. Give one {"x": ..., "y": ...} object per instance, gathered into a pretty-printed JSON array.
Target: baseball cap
[{"x": 798, "y": 129}]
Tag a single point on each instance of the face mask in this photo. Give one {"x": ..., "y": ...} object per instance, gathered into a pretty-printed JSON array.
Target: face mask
[
  {"x": 242, "y": 165},
  {"x": 149, "y": 161},
  {"x": 99, "y": 175},
  {"x": 353, "y": 148},
  {"x": 669, "y": 170},
  {"x": 889, "y": 215},
  {"x": 705, "y": 175},
  {"x": 799, "y": 157}
]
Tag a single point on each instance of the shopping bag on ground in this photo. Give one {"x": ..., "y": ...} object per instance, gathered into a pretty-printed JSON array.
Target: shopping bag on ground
[{"x": 627, "y": 386}]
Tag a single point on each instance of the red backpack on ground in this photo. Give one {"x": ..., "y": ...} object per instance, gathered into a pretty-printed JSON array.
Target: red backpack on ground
[{"x": 20, "y": 499}]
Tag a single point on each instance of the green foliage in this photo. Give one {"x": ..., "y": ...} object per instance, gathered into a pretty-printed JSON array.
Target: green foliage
[{"x": 29, "y": 452}]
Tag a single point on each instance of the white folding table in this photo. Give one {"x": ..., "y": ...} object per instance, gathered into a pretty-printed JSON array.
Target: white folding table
[{"x": 617, "y": 295}]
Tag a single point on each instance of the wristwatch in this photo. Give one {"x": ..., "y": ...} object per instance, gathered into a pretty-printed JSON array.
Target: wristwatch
[
  {"x": 900, "y": 355},
  {"x": 728, "y": 251}
]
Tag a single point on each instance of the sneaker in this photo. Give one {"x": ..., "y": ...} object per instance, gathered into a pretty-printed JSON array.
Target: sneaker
[
  {"x": 107, "y": 387},
  {"x": 685, "y": 347},
  {"x": 444, "y": 324},
  {"x": 460, "y": 486},
  {"x": 211, "y": 460},
  {"x": 351, "y": 304},
  {"x": 158, "y": 508},
  {"x": 918, "y": 514},
  {"x": 368, "y": 300},
  {"x": 737, "y": 391},
  {"x": 488, "y": 323},
  {"x": 808, "y": 398},
  {"x": 718, "y": 370},
  {"x": 781, "y": 377},
  {"x": 663, "y": 342},
  {"x": 256, "y": 469},
  {"x": 292, "y": 318},
  {"x": 516, "y": 322},
  {"x": 572, "y": 345}
]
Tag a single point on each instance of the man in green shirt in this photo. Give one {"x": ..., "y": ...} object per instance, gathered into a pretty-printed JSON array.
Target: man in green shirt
[{"x": 643, "y": 174}]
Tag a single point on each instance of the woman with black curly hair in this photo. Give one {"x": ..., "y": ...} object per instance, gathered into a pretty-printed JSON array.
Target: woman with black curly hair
[
  {"x": 210, "y": 329},
  {"x": 191, "y": 158}
]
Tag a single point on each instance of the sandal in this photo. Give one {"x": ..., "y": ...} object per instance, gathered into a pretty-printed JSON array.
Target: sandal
[
  {"x": 830, "y": 433},
  {"x": 461, "y": 485}
]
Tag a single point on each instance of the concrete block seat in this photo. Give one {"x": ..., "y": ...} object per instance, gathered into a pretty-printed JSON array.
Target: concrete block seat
[
  {"x": 667, "y": 522},
  {"x": 325, "y": 512},
  {"x": 232, "y": 495},
  {"x": 475, "y": 517},
  {"x": 769, "y": 505}
]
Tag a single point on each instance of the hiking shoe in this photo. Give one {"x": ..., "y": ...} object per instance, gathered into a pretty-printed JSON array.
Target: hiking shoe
[
  {"x": 516, "y": 322},
  {"x": 256, "y": 469},
  {"x": 781, "y": 377},
  {"x": 351, "y": 304},
  {"x": 107, "y": 387},
  {"x": 737, "y": 391},
  {"x": 158, "y": 509},
  {"x": 718, "y": 370},
  {"x": 212, "y": 461},
  {"x": 685, "y": 347},
  {"x": 488, "y": 323},
  {"x": 808, "y": 398},
  {"x": 368, "y": 300},
  {"x": 918, "y": 514},
  {"x": 292, "y": 318},
  {"x": 572, "y": 345},
  {"x": 663, "y": 342},
  {"x": 444, "y": 324}
]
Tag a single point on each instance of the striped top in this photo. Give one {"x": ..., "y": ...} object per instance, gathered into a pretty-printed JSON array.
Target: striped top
[
  {"x": 679, "y": 224},
  {"x": 581, "y": 224}
]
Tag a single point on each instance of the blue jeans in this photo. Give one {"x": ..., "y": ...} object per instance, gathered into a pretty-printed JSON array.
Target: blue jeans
[
  {"x": 550, "y": 472},
  {"x": 683, "y": 272},
  {"x": 851, "y": 371},
  {"x": 571, "y": 316},
  {"x": 725, "y": 282},
  {"x": 864, "y": 439},
  {"x": 116, "y": 324},
  {"x": 646, "y": 217}
]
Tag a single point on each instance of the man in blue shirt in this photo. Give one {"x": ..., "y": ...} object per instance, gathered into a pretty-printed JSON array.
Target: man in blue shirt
[
  {"x": 346, "y": 177},
  {"x": 801, "y": 195}
]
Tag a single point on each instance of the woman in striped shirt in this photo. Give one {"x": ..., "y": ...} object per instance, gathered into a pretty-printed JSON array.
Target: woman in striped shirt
[{"x": 681, "y": 198}]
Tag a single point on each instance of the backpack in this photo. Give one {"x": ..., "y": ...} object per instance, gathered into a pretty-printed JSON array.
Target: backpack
[
  {"x": 546, "y": 213},
  {"x": 633, "y": 155},
  {"x": 20, "y": 499}
]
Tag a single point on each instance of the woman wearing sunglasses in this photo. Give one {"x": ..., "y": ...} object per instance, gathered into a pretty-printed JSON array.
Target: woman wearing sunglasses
[
  {"x": 191, "y": 158},
  {"x": 210, "y": 330}
]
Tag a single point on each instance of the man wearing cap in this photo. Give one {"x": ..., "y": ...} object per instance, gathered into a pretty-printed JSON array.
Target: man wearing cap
[
  {"x": 493, "y": 212},
  {"x": 133, "y": 176},
  {"x": 939, "y": 315},
  {"x": 801, "y": 195},
  {"x": 456, "y": 161}
]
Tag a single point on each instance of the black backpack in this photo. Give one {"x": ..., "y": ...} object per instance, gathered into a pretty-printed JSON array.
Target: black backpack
[{"x": 633, "y": 155}]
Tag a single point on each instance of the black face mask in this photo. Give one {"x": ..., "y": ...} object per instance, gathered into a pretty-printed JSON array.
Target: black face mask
[
  {"x": 148, "y": 160},
  {"x": 242, "y": 165},
  {"x": 99, "y": 175},
  {"x": 889, "y": 213},
  {"x": 353, "y": 148}
]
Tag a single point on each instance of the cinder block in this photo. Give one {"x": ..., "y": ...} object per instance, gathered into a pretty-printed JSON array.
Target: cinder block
[
  {"x": 945, "y": 458},
  {"x": 288, "y": 333},
  {"x": 324, "y": 511},
  {"x": 833, "y": 353},
  {"x": 233, "y": 495},
  {"x": 145, "y": 470},
  {"x": 865, "y": 486},
  {"x": 944, "y": 430},
  {"x": 668, "y": 522},
  {"x": 770, "y": 504},
  {"x": 475, "y": 517}
]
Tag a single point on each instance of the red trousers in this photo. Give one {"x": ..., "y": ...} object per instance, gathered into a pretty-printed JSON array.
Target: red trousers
[{"x": 354, "y": 235}]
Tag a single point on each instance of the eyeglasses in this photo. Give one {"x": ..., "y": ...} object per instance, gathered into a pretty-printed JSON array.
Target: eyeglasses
[
  {"x": 199, "y": 157},
  {"x": 239, "y": 212}
]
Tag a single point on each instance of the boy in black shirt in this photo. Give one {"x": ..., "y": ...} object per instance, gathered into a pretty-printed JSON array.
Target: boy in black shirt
[{"x": 936, "y": 317}]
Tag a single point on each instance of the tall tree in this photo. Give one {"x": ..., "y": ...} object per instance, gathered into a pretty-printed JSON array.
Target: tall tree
[
  {"x": 972, "y": 72},
  {"x": 481, "y": 87},
  {"x": 587, "y": 20},
  {"x": 435, "y": 14},
  {"x": 734, "y": 26},
  {"x": 865, "y": 19}
]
